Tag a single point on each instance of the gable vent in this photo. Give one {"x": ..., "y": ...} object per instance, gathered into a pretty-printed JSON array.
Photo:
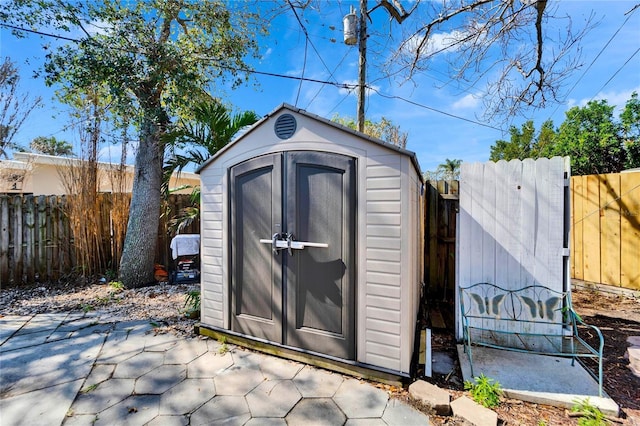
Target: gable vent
[{"x": 285, "y": 126}]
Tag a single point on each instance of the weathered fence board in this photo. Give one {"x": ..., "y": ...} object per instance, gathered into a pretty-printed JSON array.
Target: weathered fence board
[
  {"x": 37, "y": 244},
  {"x": 606, "y": 229}
]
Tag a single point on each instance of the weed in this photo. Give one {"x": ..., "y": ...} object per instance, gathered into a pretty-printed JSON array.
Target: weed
[
  {"x": 89, "y": 388},
  {"x": 117, "y": 286},
  {"x": 192, "y": 301},
  {"x": 223, "y": 346},
  {"x": 591, "y": 415},
  {"x": 484, "y": 391},
  {"x": 87, "y": 307}
]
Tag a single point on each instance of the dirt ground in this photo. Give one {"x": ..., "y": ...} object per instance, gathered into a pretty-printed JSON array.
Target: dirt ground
[{"x": 618, "y": 317}]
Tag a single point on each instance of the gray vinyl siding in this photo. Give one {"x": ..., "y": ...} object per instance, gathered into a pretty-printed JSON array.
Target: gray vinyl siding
[{"x": 387, "y": 236}]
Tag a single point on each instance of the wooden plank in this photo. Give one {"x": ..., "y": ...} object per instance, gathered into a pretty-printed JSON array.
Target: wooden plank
[
  {"x": 432, "y": 229},
  {"x": 514, "y": 227},
  {"x": 556, "y": 225},
  {"x": 28, "y": 236},
  {"x": 42, "y": 238},
  {"x": 16, "y": 232},
  {"x": 630, "y": 230},
  {"x": 577, "y": 227},
  {"x": 610, "y": 228},
  {"x": 528, "y": 223},
  {"x": 4, "y": 240},
  {"x": 463, "y": 235},
  {"x": 591, "y": 231}
]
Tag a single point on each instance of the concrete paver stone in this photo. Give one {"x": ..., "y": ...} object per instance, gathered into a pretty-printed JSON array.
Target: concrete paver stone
[
  {"x": 187, "y": 396},
  {"x": 10, "y": 324},
  {"x": 162, "y": 420},
  {"x": 312, "y": 382},
  {"x": 208, "y": 365},
  {"x": 185, "y": 351},
  {"x": 239, "y": 382},
  {"x": 139, "y": 365},
  {"x": 100, "y": 373},
  {"x": 160, "y": 379},
  {"x": 360, "y": 400},
  {"x": 367, "y": 422},
  {"x": 435, "y": 397},
  {"x": 232, "y": 409},
  {"x": 96, "y": 398},
  {"x": 135, "y": 410},
  {"x": 316, "y": 412},
  {"x": 266, "y": 421},
  {"x": 277, "y": 368},
  {"x": 474, "y": 413},
  {"x": 160, "y": 343},
  {"x": 274, "y": 398},
  {"x": 398, "y": 413}
]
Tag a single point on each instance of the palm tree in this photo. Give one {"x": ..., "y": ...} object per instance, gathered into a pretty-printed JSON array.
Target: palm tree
[
  {"x": 450, "y": 169},
  {"x": 211, "y": 128}
]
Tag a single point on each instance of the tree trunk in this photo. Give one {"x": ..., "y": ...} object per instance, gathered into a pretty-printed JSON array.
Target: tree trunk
[{"x": 136, "y": 263}]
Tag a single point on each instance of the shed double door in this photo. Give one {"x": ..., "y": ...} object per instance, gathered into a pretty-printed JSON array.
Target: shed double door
[{"x": 292, "y": 250}]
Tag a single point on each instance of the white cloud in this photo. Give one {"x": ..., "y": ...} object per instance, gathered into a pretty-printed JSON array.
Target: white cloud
[
  {"x": 436, "y": 43},
  {"x": 616, "y": 98},
  {"x": 469, "y": 101}
]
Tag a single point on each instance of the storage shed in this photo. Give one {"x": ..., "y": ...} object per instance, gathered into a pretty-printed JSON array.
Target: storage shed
[{"x": 312, "y": 243}]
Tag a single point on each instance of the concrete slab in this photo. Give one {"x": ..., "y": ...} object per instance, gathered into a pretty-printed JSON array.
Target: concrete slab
[
  {"x": 185, "y": 351},
  {"x": 47, "y": 406},
  {"x": 169, "y": 421},
  {"x": 49, "y": 364},
  {"x": 266, "y": 421},
  {"x": 442, "y": 362},
  {"x": 274, "y": 398},
  {"x": 534, "y": 378},
  {"x": 10, "y": 324},
  {"x": 360, "y": 400}
]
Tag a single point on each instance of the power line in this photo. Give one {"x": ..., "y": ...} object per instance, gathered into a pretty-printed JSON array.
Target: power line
[
  {"x": 593, "y": 61},
  {"x": 616, "y": 73},
  {"x": 409, "y": 101},
  {"x": 346, "y": 86}
]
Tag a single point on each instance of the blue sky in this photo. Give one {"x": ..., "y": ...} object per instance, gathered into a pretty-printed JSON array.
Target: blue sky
[{"x": 434, "y": 136}]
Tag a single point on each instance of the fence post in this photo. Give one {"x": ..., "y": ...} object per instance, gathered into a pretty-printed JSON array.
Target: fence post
[{"x": 4, "y": 239}]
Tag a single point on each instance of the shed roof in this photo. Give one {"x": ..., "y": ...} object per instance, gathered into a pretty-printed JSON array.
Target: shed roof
[{"x": 285, "y": 106}]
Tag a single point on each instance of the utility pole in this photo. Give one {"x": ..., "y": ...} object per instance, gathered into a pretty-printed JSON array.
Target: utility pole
[{"x": 362, "y": 63}]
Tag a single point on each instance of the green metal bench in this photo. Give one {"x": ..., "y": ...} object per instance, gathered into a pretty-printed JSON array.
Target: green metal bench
[{"x": 533, "y": 319}]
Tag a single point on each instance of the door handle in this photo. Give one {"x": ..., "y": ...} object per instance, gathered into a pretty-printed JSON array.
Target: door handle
[
  {"x": 277, "y": 244},
  {"x": 300, "y": 245}
]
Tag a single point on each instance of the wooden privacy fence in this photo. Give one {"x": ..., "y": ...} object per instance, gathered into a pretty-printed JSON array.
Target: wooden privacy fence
[
  {"x": 441, "y": 207},
  {"x": 605, "y": 243},
  {"x": 37, "y": 244}
]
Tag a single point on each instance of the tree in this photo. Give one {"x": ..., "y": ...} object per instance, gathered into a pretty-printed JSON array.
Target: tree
[
  {"x": 450, "y": 169},
  {"x": 524, "y": 142},
  {"x": 384, "y": 129},
  {"x": 51, "y": 146},
  {"x": 517, "y": 53},
  {"x": 210, "y": 128},
  {"x": 153, "y": 57},
  {"x": 630, "y": 120},
  {"x": 14, "y": 108},
  {"x": 593, "y": 140}
]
